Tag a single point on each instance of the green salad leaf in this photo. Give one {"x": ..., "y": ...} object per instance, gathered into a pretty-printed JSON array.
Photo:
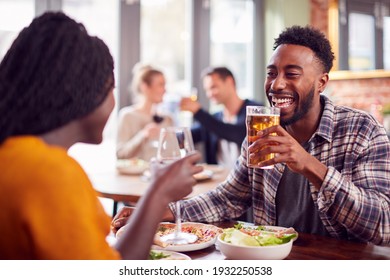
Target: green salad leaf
[
  {"x": 237, "y": 236},
  {"x": 153, "y": 255}
]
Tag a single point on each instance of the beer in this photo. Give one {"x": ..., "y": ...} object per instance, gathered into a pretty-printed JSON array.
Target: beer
[{"x": 257, "y": 119}]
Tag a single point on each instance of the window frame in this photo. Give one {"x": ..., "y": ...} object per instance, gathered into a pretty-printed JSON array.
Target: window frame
[
  {"x": 336, "y": 21},
  {"x": 129, "y": 44},
  {"x": 366, "y": 7},
  {"x": 129, "y": 53}
]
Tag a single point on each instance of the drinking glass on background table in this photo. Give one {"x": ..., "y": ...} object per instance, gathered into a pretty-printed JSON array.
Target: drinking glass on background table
[
  {"x": 175, "y": 143},
  {"x": 257, "y": 119}
]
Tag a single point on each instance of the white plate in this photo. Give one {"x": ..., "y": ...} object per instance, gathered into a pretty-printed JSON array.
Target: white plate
[
  {"x": 131, "y": 166},
  {"x": 204, "y": 175},
  {"x": 214, "y": 168},
  {"x": 172, "y": 255},
  {"x": 194, "y": 246}
]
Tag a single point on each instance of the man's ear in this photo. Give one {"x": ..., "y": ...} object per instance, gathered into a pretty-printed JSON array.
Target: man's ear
[
  {"x": 322, "y": 82},
  {"x": 230, "y": 80}
]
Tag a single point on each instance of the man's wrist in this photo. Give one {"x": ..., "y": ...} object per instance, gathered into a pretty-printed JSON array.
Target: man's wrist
[{"x": 168, "y": 215}]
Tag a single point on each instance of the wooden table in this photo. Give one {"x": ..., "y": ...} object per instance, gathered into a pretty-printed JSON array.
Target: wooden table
[
  {"x": 111, "y": 184},
  {"x": 99, "y": 162},
  {"x": 312, "y": 247}
]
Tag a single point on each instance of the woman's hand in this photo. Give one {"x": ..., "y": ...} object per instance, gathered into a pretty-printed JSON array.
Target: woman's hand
[
  {"x": 175, "y": 181},
  {"x": 152, "y": 131},
  {"x": 169, "y": 182}
]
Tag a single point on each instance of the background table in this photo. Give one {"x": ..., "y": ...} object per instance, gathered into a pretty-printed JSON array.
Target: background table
[
  {"x": 111, "y": 184},
  {"x": 99, "y": 162}
]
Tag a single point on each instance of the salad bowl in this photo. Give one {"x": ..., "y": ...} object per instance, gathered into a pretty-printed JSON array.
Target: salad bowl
[{"x": 251, "y": 243}]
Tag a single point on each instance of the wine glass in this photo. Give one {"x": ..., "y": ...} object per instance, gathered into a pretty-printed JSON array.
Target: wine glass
[
  {"x": 157, "y": 115},
  {"x": 175, "y": 143}
]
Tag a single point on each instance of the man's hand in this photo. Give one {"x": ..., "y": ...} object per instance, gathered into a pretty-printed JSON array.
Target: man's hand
[
  {"x": 187, "y": 104},
  {"x": 287, "y": 150},
  {"x": 121, "y": 218}
]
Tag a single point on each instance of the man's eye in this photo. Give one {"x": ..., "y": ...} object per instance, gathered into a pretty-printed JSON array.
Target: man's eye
[
  {"x": 271, "y": 74},
  {"x": 292, "y": 75}
]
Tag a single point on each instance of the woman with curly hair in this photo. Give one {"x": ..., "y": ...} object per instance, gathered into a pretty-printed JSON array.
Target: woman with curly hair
[{"x": 56, "y": 88}]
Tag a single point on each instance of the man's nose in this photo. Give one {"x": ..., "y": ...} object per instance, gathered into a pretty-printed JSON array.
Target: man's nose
[{"x": 278, "y": 83}]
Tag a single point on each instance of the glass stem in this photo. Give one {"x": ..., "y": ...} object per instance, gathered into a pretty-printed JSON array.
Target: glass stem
[{"x": 178, "y": 219}]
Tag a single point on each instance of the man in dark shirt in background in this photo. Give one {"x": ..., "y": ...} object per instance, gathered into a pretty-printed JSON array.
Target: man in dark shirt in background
[{"x": 222, "y": 132}]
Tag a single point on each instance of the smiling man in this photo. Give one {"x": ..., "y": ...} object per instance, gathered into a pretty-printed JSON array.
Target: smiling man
[
  {"x": 331, "y": 175},
  {"x": 332, "y": 169}
]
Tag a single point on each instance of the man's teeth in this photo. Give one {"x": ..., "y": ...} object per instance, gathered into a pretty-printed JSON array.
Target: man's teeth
[{"x": 282, "y": 102}]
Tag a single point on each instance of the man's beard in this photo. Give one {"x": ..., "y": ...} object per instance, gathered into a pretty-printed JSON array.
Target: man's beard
[{"x": 300, "y": 111}]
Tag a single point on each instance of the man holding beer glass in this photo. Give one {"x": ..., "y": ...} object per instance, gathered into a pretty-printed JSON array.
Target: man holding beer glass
[{"x": 331, "y": 164}]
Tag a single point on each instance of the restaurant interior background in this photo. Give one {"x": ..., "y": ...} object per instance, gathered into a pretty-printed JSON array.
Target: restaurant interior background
[{"x": 181, "y": 37}]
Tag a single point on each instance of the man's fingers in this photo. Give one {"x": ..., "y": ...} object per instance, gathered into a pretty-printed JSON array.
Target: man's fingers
[
  {"x": 272, "y": 129},
  {"x": 118, "y": 223}
]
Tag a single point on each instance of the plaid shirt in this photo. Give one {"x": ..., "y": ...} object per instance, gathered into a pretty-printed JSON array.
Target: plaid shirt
[{"x": 354, "y": 199}]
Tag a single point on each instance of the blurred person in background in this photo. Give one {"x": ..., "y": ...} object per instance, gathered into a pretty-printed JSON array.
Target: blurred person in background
[
  {"x": 56, "y": 88},
  {"x": 139, "y": 124},
  {"x": 221, "y": 133}
]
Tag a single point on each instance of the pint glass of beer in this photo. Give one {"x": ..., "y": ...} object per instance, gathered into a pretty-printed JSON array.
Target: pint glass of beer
[{"x": 257, "y": 119}]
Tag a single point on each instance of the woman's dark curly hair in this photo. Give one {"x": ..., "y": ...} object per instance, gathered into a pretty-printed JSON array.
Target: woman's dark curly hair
[
  {"x": 53, "y": 73},
  {"x": 311, "y": 38}
]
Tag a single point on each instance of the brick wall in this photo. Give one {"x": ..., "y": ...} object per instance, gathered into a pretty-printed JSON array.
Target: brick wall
[
  {"x": 319, "y": 14},
  {"x": 363, "y": 94}
]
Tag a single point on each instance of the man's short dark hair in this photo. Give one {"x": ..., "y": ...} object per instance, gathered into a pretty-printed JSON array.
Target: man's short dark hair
[
  {"x": 311, "y": 38},
  {"x": 223, "y": 72}
]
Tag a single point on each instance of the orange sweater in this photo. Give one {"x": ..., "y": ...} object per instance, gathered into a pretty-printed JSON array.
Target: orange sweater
[{"x": 48, "y": 207}]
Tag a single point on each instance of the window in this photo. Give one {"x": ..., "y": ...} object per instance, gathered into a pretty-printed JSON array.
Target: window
[
  {"x": 386, "y": 42},
  {"x": 364, "y": 34},
  {"x": 361, "y": 47},
  {"x": 165, "y": 40},
  {"x": 179, "y": 36},
  {"x": 231, "y": 42},
  {"x": 100, "y": 18},
  {"x": 182, "y": 37},
  {"x": 14, "y": 16}
]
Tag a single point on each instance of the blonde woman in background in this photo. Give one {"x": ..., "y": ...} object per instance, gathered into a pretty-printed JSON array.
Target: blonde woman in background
[{"x": 139, "y": 124}]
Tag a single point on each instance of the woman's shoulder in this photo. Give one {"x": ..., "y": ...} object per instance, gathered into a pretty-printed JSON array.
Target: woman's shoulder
[
  {"x": 132, "y": 112},
  {"x": 40, "y": 171},
  {"x": 128, "y": 110},
  {"x": 40, "y": 161}
]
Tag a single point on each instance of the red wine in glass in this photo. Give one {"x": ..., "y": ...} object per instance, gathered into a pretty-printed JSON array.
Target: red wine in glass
[{"x": 157, "y": 119}]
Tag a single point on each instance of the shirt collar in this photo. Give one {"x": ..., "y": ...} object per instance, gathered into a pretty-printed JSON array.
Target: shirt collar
[{"x": 326, "y": 126}]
